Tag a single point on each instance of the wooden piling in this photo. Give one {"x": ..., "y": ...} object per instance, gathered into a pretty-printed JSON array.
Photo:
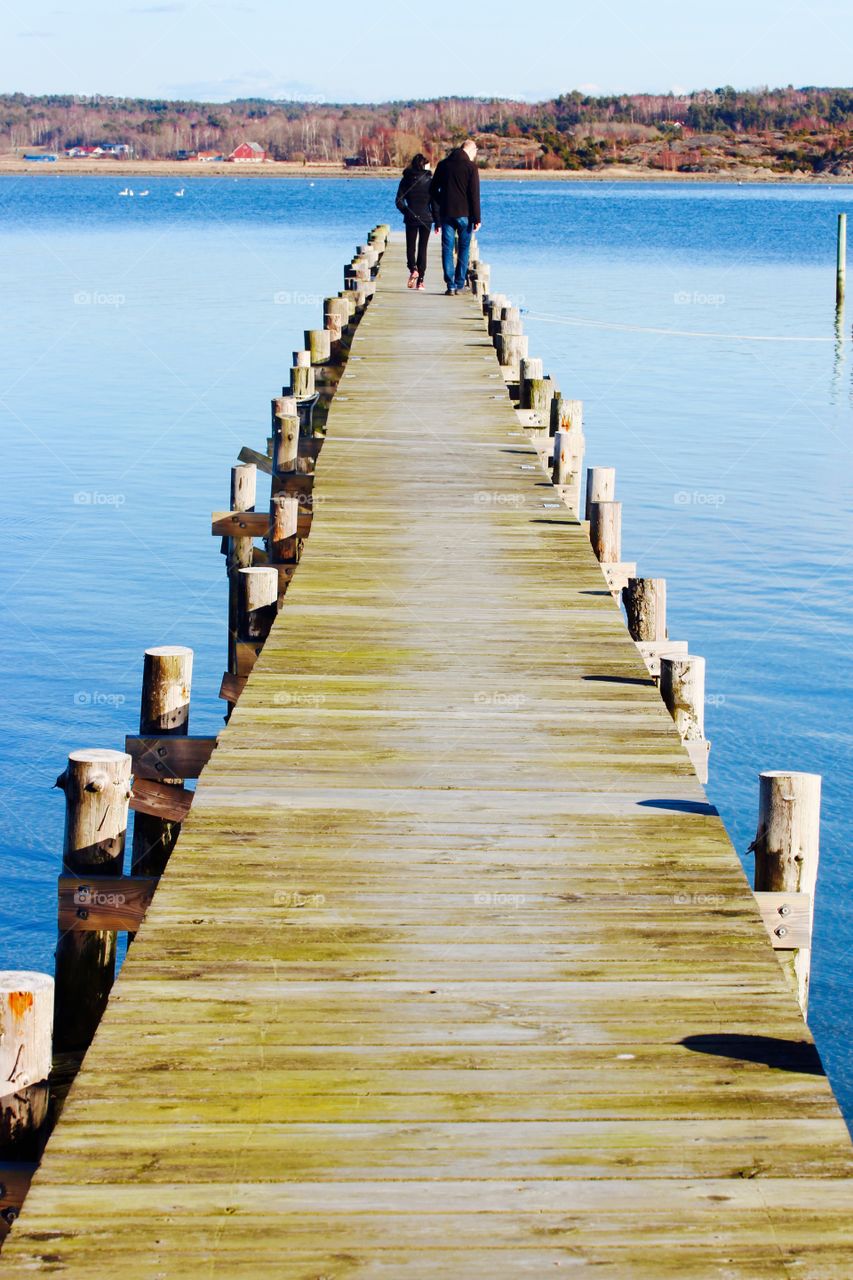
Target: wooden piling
[
  {"x": 645, "y": 607},
  {"x": 319, "y": 346},
  {"x": 787, "y": 851},
  {"x": 285, "y": 424},
  {"x": 302, "y": 376},
  {"x": 841, "y": 267},
  {"x": 97, "y": 791},
  {"x": 605, "y": 531},
  {"x": 239, "y": 551},
  {"x": 493, "y": 304},
  {"x": 530, "y": 371},
  {"x": 258, "y": 599},
  {"x": 600, "y": 486},
  {"x": 512, "y": 348},
  {"x": 26, "y": 1052},
  {"x": 335, "y": 320},
  {"x": 284, "y": 522},
  {"x": 682, "y": 686},
  {"x": 164, "y": 712},
  {"x": 537, "y": 394}
]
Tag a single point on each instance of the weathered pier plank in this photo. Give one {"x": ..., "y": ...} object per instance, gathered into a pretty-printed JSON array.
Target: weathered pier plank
[{"x": 454, "y": 971}]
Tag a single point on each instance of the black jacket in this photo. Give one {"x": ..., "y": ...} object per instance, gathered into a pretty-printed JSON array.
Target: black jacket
[
  {"x": 413, "y": 198},
  {"x": 456, "y": 187}
]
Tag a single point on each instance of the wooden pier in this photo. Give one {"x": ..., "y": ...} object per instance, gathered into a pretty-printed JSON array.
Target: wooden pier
[{"x": 453, "y": 973}]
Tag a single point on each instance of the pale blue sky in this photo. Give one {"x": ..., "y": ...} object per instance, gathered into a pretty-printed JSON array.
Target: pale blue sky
[{"x": 339, "y": 50}]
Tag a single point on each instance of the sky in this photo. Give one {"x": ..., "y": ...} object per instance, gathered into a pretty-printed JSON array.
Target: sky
[{"x": 340, "y": 51}]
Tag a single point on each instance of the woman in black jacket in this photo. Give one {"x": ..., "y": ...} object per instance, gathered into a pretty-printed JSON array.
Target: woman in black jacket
[{"x": 413, "y": 201}]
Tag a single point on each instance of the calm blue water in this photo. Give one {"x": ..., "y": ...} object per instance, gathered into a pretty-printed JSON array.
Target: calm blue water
[{"x": 144, "y": 337}]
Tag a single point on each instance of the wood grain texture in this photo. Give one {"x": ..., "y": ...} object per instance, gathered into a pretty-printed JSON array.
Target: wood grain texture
[{"x": 454, "y": 971}]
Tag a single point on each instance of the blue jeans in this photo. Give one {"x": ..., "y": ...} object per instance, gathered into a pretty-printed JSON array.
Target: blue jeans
[{"x": 455, "y": 273}]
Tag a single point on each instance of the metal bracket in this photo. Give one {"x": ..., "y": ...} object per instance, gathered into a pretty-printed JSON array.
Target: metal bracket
[{"x": 787, "y": 918}]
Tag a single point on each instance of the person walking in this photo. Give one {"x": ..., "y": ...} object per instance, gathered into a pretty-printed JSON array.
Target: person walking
[
  {"x": 413, "y": 201},
  {"x": 455, "y": 190}
]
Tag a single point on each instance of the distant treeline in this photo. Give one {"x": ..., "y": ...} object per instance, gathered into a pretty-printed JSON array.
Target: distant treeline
[{"x": 809, "y": 129}]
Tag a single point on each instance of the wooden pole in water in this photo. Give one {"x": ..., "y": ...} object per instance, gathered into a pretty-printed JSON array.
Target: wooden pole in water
[
  {"x": 605, "y": 531},
  {"x": 530, "y": 370},
  {"x": 284, "y": 523},
  {"x": 26, "y": 1033},
  {"x": 682, "y": 687},
  {"x": 258, "y": 600},
  {"x": 645, "y": 606},
  {"x": 285, "y": 431},
  {"x": 167, "y": 674},
  {"x": 97, "y": 790},
  {"x": 600, "y": 486},
  {"x": 302, "y": 376},
  {"x": 787, "y": 850},
  {"x": 244, "y": 480},
  {"x": 319, "y": 346},
  {"x": 841, "y": 269},
  {"x": 335, "y": 320}
]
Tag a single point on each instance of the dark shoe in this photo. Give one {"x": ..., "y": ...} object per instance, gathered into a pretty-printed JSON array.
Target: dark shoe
[{"x": 450, "y": 293}]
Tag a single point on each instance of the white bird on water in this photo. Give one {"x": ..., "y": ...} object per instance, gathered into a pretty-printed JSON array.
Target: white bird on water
[
  {"x": 180, "y": 193},
  {"x": 143, "y": 193},
  {"x": 127, "y": 192}
]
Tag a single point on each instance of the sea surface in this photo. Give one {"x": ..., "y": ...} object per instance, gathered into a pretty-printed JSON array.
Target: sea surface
[{"x": 144, "y": 336}]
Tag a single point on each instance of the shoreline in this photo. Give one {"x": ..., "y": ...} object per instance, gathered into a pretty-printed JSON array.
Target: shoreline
[{"x": 284, "y": 169}]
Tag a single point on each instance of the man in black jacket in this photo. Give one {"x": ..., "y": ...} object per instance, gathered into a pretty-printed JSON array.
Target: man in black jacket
[{"x": 455, "y": 190}]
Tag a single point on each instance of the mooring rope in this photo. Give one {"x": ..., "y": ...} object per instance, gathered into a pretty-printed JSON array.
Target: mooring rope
[{"x": 584, "y": 322}]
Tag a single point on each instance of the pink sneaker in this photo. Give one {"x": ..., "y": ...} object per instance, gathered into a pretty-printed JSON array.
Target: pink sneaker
[
  {"x": 412, "y": 281},
  {"x": 421, "y": 287}
]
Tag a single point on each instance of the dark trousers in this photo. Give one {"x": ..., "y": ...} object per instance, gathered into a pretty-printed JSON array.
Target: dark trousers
[{"x": 417, "y": 243}]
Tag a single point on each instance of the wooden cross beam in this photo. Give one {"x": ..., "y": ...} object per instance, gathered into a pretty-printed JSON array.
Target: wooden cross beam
[{"x": 104, "y": 902}]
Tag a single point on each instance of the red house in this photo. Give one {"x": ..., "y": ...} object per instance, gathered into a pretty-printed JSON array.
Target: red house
[{"x": 248, "y": 151}]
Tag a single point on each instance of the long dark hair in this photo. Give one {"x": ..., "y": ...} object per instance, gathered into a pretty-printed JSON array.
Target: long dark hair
[{"x": 418, "y": 163}]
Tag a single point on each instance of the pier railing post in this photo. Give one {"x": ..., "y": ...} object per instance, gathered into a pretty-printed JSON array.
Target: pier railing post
[
  {"x": 531, "y": 371},
  {"x": 645, "y": 607},
  {"x": 26, "y": 1054},
  {"x": 600, "y": 486},
  {"x": 285, "y": 436},
  {"x": 787, "y": 851},
  {"x": 682, "y": 687},
  {"x": 568, "y": 450},
  {"x": 335, "y": 320},
  {"x": 302, "y": 376},
  {"x": 318, "y": 345},
  {"x": 165, "y": 712},
  {"x": 96, "y": 784},
  {"x": 605, "y": 531},
  {"x": 238, "y": 551},
  {"x": 841, "y": 263},
  {"x": 258, "y": 602}
]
